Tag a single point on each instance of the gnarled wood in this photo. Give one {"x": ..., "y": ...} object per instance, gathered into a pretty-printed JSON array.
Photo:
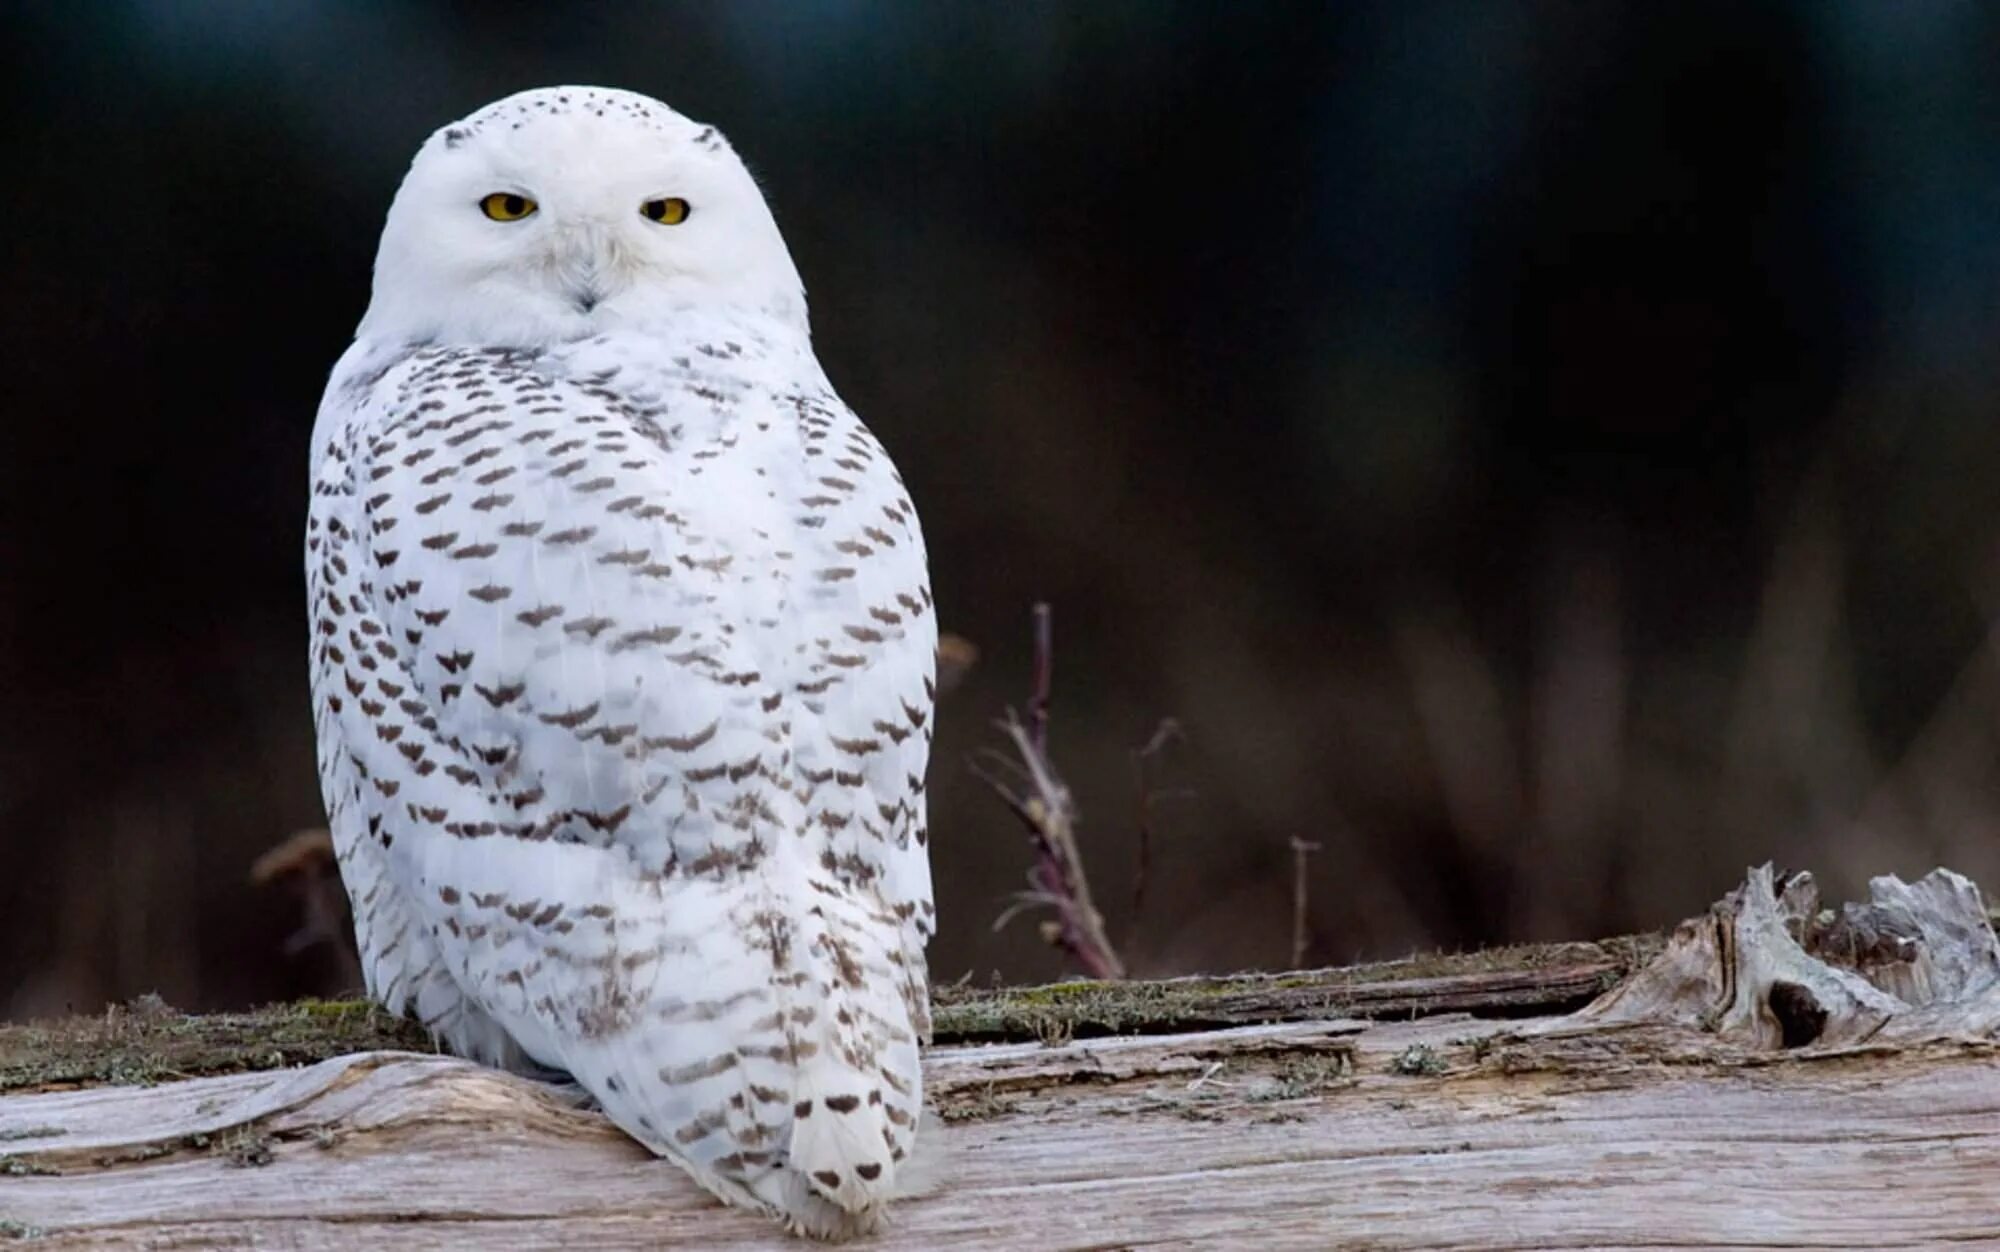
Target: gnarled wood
[{"x": 1668, "y": 1114}]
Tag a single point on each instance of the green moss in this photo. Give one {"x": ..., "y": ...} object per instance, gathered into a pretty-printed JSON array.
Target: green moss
[
  {"x": 32, "y": 1132},
  {"x": 1417, "y": 1061},
  {"x": 973, "y": 1105},
  {"x": 1085, "y": 1008},
  {"x": 336, "y": 1010},
  {"x": 1298, "y": 1077},
  {"x": 148, "y": 1043},
  {"x": 1058, "y": 1012},
  {"x": 24, "y": 1167},
  {"x": 246, "y": 1146},
  {"x": 143, "y": 1152}
]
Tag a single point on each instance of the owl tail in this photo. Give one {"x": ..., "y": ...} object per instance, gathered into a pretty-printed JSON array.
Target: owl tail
[
  {"x": 857, "y": 1090},
  {"x": 841, "y": 1135}
]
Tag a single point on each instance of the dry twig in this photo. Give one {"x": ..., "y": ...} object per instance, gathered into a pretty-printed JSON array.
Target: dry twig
[
  {"x": 1039, "y": 798},
  {"x": 1149, "y": 796},
  {"x": 1045, "y": 663},
  {"x": 1302, "y": 850}
]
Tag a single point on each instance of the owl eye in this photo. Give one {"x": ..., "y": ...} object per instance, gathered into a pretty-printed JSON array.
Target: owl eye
[
  {"x": 670, "y": 211},
  {"x": 505, "y": 206}
]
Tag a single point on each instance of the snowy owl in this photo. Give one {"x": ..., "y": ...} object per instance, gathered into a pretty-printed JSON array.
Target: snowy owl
[{"x": 622, "y": 657}]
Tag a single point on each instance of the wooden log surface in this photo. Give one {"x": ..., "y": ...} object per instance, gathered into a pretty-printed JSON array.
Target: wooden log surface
[{"x": 1680, "y": 1109}]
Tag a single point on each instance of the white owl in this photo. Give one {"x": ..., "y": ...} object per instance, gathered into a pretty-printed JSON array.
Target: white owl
[{"x": 622, "y": 657}]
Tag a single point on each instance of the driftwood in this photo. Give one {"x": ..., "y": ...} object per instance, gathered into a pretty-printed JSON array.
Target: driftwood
[{"x": 1772, "y": 1075}]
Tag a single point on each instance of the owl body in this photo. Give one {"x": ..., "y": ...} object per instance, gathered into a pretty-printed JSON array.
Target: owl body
[{"x": 622, "y": 662}]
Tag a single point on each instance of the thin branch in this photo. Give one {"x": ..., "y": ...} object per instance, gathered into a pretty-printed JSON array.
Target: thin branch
[
  {"x": 1302, "y": 850},
  {"x": 1044, "y": 806},
  {"x": 1023, "y": 901},
  {"x": 1028, "y": 785},
  {"x": 995, "y": 768},
  {"x": 1044, "y": 680},
  {"x": 1168, "y": 731}
]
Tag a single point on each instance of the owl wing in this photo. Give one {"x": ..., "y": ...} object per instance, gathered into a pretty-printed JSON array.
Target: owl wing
[{"x": 869, "y": 680}]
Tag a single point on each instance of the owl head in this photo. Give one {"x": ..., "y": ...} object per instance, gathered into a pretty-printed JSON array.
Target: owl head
[{"x": 565, "y": 212}]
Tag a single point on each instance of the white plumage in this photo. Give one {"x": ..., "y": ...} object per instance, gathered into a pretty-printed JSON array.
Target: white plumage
[{"x": 622, "y": 657}]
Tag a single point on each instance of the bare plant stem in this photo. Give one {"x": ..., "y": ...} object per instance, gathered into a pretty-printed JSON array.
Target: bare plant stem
[
  {"x": 1038, "y": 797},
  {"x": 1302, "y": 850},
  {"x": 1148, "y": 798},
  {"x": 1044, "y": 679}
]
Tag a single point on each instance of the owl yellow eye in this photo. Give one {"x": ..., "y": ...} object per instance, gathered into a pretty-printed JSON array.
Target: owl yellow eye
[
  {"x": 671, "y": 211},
  {"x": 505, "y": 206}
]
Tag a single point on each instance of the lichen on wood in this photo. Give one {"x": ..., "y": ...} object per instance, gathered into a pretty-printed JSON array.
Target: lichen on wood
[
  {"x": 1460, "y": 1101},
  {"x": 148, "y": 1042},
  {"x": 1497, "y": 982}
]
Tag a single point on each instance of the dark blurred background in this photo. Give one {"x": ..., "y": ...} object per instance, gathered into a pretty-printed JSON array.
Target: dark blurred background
[{"x": 1543, "y": 453}]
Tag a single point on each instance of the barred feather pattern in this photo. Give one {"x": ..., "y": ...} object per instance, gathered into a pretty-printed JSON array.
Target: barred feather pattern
[{"x": 622, "y": 658}]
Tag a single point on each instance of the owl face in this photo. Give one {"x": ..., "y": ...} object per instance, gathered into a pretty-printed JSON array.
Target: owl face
[{"x": 566, "y": 212}]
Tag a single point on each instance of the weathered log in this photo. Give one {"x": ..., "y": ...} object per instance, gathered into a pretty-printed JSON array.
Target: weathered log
[
  {"x": 1699, "y": 1103},
  {"x": 149, "y": 1042}
]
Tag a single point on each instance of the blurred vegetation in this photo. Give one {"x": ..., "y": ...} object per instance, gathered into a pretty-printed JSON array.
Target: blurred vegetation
[{"x": 1540, "y": 453}]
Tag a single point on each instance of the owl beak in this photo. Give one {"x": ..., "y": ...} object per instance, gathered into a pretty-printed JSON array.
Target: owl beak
[{"x": 588, "y": 259}]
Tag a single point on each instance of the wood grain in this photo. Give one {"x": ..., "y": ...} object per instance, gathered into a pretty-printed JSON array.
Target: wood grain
[
  {"x": 1302, "y": 1135},
  {"x": 1670, "y": 1114}
]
